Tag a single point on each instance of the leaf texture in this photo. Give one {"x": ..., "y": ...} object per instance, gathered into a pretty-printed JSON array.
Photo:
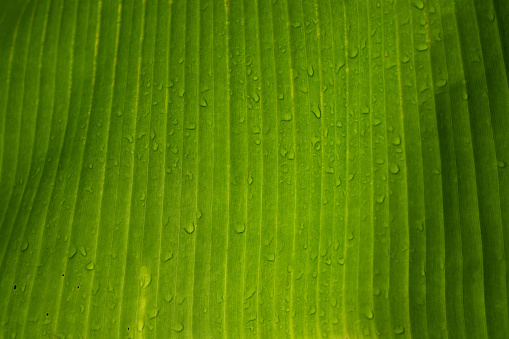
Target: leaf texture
[{"x": 254, "y": 169}]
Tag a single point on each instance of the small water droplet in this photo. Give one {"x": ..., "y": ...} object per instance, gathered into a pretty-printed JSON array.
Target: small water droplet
[
  {"x": 83, "y": 251},
  {"x": 203, "y": 102},
  {"x": 316, "y": 111},
  {"x": 90, "y": 266},
  {"x": 190, "y": 228},
  {"x": 422, "y": 47},
  {"x": 394, "y": 168},
  {"x": 396, "y": 140},
  {"x": 239, "y": 228},
  {"x": 418, "y": 4},
  {"x": 380, "y": 199},
  {"x": 311, "y": 71},
  {"x": 179, "y": 327},
  {"x": 399, "y": 330},
  {"x": 24, "y": 245},
  {"x": 369, "y": 314},
  {"x": 72, "y": 252},
  {"x": 501, "y": 164},
  {"x": 280, "y": 96},
  {"x": 441, "y": 83},
  {"x": 168, "y": 256}
]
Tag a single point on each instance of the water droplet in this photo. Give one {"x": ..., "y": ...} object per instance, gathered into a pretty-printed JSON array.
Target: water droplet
[
  {"x": 203, "y": 102},
  {"x": 394, "y": 168},
  {"x": 270, "y": 257},
  {"x": 72, "y": 252},
  {"x": 369, "y": 314},
  {"x": 441, "y": 83},
  {"x": 83, "y": 251},
  {"x": 377, "y": 291},
  {"x": 376, "y": 122},
  {"x": 380, "y": 199},
  {"x": 353, "y": 52},
  {"x": 399, "y": 330},
  {"x": 350, "y": 236},
  {"x": 312, "y": 310},
  {"x": 168, "y": 256},
  {"x": 145, "y": 277},
  {"x": 190, "y": 228},
  {"x": 90, "y": 266},
  {"x": 337, "y": 183},
  {"x": 280, "y": 96},
  {"x": 418, "y": 4},
  {"x": 179, "y": 327},
  {"x": 250, "y": 180},
  {"x": 316, "y": 111},
  {"x": 239, "y": 228},
  {"x": 422, "y": 47},
  {"x": 465, "y": 96},
  {"x": 256, "y": 97},
  {"x": 501, "y": 164},
  {"x": 396, "y": 140},
  {"x": 24, "y": 245},
  {"x": 311, "y": 71}
]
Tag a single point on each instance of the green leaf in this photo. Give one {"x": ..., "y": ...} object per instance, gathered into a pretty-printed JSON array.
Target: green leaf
[{"x": 254, "y": 168}]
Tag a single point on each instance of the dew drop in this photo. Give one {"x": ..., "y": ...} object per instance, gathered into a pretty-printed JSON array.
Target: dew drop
[
  {"x": 399, "y": 330},
  {"x": 240, "y": 228},
  {"x": 422, "y": 47},
  {"x": 441, "y": 83},
  {"x": 394, "y": 168},
  {"x": 190, "y": 228},
  {"x": 179, "y": 327},
  {"x": 418, "y": 4},
  {"x": 396, "y": 140}
]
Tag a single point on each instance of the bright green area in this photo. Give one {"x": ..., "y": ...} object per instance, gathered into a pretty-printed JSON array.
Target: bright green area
[{"x": 254, "y": 169}]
